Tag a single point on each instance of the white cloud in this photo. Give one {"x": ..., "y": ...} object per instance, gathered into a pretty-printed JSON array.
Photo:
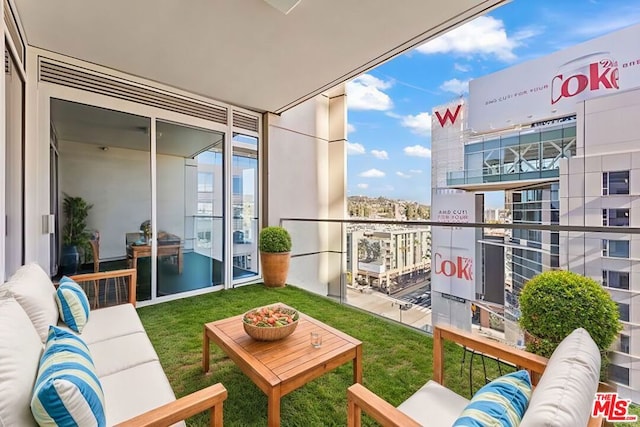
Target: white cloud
[
  {"x": 366, "y": 93},
  {"x": 403, "y": 175},
  {"x": 363, "y": 186},
  {"x": 380, "y": 154},
  {"x": 415, "y": 171},
  {"x": 463, "y": 68},
  {"x": 372, "y": 173},
  {"x": 419, "y": 124},
  {"x": 417, "y": 151},
  {"x": 350, "y": 128},
  {"x": 354, "y": 149},
  {"x": 484, "y": 35},
  {"x": 456, "y": 86}
]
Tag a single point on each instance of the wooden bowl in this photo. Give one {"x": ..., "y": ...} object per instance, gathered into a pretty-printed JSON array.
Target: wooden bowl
[{"x": 262, "y": 332}]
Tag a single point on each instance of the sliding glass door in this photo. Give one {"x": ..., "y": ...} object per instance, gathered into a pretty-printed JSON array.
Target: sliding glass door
[
  {"x": 189, "y": 206},
  {"x": 173, "y": 196}
]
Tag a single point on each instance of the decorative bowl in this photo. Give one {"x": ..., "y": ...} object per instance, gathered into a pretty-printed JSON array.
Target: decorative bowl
[{"x": 270, "y": 323}]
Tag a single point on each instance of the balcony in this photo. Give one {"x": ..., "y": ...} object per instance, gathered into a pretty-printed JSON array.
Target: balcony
[{"x": 321, "y": 263}]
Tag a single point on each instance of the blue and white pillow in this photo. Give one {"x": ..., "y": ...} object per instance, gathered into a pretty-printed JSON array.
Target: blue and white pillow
[
  {"x": 67, "y": 390},
  {"x": 73, "y": 304},
  {"x": 502, "y": 402}
]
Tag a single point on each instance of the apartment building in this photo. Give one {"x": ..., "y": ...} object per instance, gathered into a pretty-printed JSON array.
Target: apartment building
[
  {"x": 386, "y": 259},
  {"x": 557, "y": 135}
]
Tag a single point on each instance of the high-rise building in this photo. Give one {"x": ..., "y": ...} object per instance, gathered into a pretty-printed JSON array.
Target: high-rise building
[{"x": 557, "y": 135}]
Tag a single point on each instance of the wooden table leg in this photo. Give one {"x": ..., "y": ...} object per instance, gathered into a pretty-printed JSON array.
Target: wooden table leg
[
  {"x": 357, "y": 366},
  {"x": 205, "y": 351},
  {"x": 273, "y": 410}
]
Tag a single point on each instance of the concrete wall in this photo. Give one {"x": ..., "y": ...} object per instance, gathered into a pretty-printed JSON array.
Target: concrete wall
[
  {"x": 117, "y": 183},
  {"x": 305, "y": 165}
]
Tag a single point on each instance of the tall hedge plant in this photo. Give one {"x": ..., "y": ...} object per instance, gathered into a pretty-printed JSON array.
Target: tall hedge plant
[{"x": 556, "y": 302}]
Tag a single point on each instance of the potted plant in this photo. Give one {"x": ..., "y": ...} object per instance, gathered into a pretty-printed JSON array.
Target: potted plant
[
  {"x": 275, "y": 251},
  {"x": 556, "y": 302},
  {"x": 75, "y": 236}
]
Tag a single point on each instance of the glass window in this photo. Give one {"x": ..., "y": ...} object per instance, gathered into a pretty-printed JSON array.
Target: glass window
[
  {"x": 624, "y": 343},
  {"x": 205, "y": 182},
  {"x": 245, "y": 139},
  {"x": 615, "y": 279},
  {"x": 237, "y": 185},
  {"x": 615, "y": 182},
  {"x": 619, "y": 374},
  {"x": 624, "y": 311},
  {"x": 615, "y": 217},
  {"x": 615, "y": 248}
]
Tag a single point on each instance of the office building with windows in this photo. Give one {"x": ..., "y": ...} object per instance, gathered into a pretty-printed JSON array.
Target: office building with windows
[{"x": 562, "y": 145}]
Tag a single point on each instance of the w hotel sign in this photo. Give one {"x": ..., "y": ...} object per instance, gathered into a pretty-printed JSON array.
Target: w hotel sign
[{"x": 448, "y": 116}]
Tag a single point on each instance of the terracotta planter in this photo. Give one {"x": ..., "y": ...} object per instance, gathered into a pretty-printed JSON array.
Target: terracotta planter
[{"x": 275, "y": 267}]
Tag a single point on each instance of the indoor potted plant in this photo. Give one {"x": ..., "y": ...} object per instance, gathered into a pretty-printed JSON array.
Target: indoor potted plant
[
  {"x": 275, "y": 252},
  {"x": 75, "y": 236},
  {"x": 556, "y": 302}
]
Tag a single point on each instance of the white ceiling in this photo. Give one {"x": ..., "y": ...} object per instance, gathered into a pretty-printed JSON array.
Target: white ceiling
[{"x": 244, "y": 52}]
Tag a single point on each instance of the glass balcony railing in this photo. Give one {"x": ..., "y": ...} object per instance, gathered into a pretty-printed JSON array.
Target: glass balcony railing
[
  {"x": 499, "y": 173},
  {"x": 386, "y": 268}
]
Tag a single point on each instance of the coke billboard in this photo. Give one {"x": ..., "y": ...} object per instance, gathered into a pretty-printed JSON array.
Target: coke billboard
[
  {"x": 453, "y": 253},
  {"x": 551, "y": 86}
]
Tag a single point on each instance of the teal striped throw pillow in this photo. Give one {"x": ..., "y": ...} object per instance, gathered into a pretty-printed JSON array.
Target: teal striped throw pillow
[
  {"x": 73, "y": 304},
  {"x": 67, "y": 390},
  {"x": 500, "y": 403}
]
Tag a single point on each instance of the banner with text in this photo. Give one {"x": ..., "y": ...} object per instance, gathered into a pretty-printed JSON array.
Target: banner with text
[
  {"x": 453, "y": 248},
  {"x": 550, "y": 86}
]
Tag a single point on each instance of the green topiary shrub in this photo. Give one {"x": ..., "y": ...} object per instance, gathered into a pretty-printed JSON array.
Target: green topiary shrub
[
  {"x": 274, "y": 239},
  {"x": 556, "y": 302}
]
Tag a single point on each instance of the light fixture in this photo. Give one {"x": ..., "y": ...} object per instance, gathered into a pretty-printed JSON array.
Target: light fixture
[{"x": 284, "y": 6}]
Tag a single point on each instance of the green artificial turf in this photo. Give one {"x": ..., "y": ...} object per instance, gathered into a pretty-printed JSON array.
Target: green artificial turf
[{"x": 397, "y": 360}]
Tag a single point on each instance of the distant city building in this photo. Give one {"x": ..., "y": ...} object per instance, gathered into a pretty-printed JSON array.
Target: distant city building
[
  {"x": 382, "y": 258},
  {"x": 558, "y": 136}
]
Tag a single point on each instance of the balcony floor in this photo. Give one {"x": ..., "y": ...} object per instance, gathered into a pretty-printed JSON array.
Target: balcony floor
[{"x": 397, "y": 360}]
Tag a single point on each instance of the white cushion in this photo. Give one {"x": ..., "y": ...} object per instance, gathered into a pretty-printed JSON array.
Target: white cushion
[
  {"x": 135, "y": 390},
  {"x": 110, "y": 322},
  {"x": 20, "y": 351},
  {"x": 434, "y": 405},
  {"x": 33, "y": 289},
  {"x": 120, "y": 353},
  {"x": 564, "y": 396}
]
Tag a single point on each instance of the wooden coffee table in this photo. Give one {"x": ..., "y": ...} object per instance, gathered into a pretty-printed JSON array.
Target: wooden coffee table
[{"x": 279, "y": 367}]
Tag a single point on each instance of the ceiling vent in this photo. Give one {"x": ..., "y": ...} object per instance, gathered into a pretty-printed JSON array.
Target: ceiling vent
[
  {"x": 51, "y": 71},
  {"x": 243, "y": 121}
]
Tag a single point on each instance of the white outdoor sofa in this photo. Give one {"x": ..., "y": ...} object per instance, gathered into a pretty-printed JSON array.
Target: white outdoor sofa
[
  {"x": 565, "y": 386},
  {"x": 136, "y": 389}
]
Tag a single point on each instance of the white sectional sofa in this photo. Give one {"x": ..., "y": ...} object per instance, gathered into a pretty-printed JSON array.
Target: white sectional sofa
[{"x": 136, "y": 389}]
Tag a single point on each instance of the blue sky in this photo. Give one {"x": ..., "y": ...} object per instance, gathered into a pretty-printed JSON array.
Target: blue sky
[{"x": 390, "y": 107}]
